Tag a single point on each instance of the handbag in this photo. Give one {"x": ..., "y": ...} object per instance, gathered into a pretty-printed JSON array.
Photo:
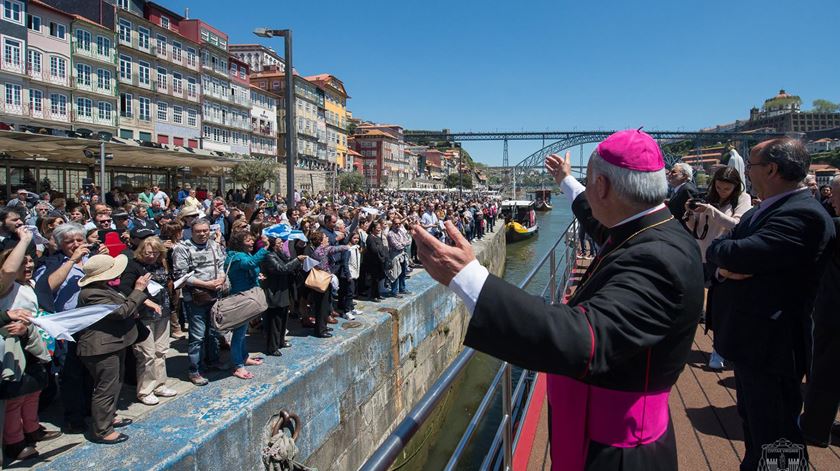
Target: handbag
[
  {"x": 237, "y": 309},
  {"x": 318, "y": 280}
]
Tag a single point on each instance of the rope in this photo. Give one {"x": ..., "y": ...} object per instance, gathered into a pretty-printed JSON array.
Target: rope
[{"x": 280, "y": 452}]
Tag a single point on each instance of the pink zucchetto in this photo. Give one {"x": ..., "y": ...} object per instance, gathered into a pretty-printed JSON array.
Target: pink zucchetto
[{"x": 632, "y": 149}]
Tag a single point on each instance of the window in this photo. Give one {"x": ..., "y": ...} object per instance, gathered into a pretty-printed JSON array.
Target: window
[
  {"x": 176, "y": 51},
  {"x": 125, "y": 105},
  {"x": 84, "y": 107},
  {"x": 143, "y": 38},
  {"x": 164, "y": 22},
  {"x": 125, "y": 31},
  {"x": 177, "y": 114},
  {"x": 83, "y": 74},
  {"x": 192, "y": 88},
  {"x": 103, "y": 46},
  {"x": 103, "y": 79},
  {"x": 125, "y": 67},
  {"x": 57, "y": 30},
  {"x": 191, "y": 57},
  {"x": 242, "y": 73},
  {"x": 36, "y": 101},
  {"x": 162, "y": 111},
  {"x": 177, "y": 83},
  {"x": 11, "y": 52},
  {"x": 161, "y": 78},
  {"x": 58, "y": 104},
  {"x": 143, "y": 73},
  {"x": 144, "y": 112},
  {"x": 123, "y": 4},
  {"x": 234, "y": 70},
  {"x": 104, "y": 110},
  {"x": 33, "y": 22},
  {"x": 13, "y": 92},
  {"x": 83, "y": 39},
  {"x": 13, "y": 11},
  {"x": 58, "y": 67},
  {"x": 161, "y": 44},
  {"x": 192, "y": 118}
]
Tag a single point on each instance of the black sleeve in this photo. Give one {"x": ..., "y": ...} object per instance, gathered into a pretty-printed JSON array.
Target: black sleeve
[
  {"x": 634, "y": 311},
  {"x": 583, "y": 213},
  {"x": 273, "y": 265},
  {"x": 781, "y": 243},
  {"x": 132, "y": 271}
]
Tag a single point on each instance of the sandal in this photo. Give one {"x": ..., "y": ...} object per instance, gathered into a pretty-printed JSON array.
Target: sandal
[
  {"x": 120, "y": 438},
  {"x": 117, "y": 423},
  {"x": 243, "y": 374},
  {"x": 255, "y": 361}
]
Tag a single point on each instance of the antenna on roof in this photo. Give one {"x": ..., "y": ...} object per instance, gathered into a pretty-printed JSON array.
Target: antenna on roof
[{"x": 187, "y": 13}]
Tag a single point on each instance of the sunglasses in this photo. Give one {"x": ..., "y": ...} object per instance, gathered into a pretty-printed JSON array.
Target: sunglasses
[{"x": 104, "y": 220}]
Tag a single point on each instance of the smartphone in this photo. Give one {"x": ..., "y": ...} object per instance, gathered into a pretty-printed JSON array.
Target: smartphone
[{"x": 214, "y": 227}]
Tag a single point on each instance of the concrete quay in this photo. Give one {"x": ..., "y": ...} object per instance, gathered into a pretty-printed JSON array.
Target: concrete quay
[{"x": 350, "y": 391}]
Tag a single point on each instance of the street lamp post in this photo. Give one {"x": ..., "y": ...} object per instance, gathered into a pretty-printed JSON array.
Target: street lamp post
[{"x": 289, "y": 98}]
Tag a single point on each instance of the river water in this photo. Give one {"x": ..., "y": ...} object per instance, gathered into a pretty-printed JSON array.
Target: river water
[{"x": 467, "y": 394}]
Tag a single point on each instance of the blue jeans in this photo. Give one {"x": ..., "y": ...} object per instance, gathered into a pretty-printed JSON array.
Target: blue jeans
[
  {"x": 399, "y": 282},
  {"x": 238, "y": 354},
  {"x": 202, "y": 342}
]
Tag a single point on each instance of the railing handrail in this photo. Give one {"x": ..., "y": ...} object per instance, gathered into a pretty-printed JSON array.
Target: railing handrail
[{"x": 389, "y": 450}]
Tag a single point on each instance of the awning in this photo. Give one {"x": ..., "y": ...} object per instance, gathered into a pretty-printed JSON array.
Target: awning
[{"x": 60, "y": 149}]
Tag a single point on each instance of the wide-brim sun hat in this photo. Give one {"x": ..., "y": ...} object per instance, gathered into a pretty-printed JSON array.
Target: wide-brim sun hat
[
  {"x": 189, "y": 211},
  {"x": 102, "y": 268}
]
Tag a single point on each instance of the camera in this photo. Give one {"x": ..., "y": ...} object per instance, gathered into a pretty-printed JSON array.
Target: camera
[
  {"x": 693, "y": 202},
  {"x": 94, "y": 248}
]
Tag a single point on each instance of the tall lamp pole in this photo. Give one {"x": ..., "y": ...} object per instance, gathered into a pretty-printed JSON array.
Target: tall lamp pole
[{"x": 289, "y": 98}]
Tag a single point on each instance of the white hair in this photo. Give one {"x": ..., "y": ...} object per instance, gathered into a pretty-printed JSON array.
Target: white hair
[
  {"x": 835, "y": 182},
  {"x": 686, "y": 170},
  {"x": 638, "y": 187},
  {"x": 68, "y": 229}
]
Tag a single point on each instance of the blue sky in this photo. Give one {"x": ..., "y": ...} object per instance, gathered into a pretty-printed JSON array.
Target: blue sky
[{"x": 551, "y": 65}]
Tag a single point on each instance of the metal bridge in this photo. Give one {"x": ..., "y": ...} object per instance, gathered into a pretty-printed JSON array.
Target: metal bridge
[{"x": 563, "y": 140}]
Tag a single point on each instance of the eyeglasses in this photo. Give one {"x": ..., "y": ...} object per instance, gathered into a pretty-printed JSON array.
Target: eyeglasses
[
  {"x": 748, "y": 165},
  {"x": 101, "y": 221}
]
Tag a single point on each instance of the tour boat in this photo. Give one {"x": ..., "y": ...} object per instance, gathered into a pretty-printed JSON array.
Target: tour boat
[
  {"x": 542, "y": 200},
  {"x": 520, "y": 220}
]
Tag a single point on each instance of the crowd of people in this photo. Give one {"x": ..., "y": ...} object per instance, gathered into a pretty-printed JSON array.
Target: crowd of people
[
  {"x": 165, "y": 261},
  {"x": 772, "y": 282}
]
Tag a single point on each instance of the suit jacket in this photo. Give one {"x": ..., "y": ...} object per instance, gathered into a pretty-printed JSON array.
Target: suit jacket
[
  {"x": 677, "y": 202},
  {"x": 115, "y": 331},
  {"x": 631, "y": 322},
  {"x": 765, "y": 321},
  {"x": 278, "y": 268}
]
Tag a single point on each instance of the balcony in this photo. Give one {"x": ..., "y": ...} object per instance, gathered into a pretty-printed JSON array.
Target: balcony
[
  {"x": 93, "y": 87},
  {"x": 61, "y": 81},
  {"x": 94, "y": 119},
  {"x": 135, "y": 81},
  {"x": 44, "y": 113},
  {"x": 12, "y": 67},
  {"x": 91, "y": 53}
]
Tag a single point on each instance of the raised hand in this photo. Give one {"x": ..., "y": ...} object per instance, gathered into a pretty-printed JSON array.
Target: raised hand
[
  {"x": 559, "y": 167},
  {"x": 142, "y": 282},
  {"x": 442, "y": 261}
]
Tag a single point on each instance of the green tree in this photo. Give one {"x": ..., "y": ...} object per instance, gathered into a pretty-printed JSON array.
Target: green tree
[
  {"x": 825, "y": 106},
  {"x": 351, "y": 181},
  {"x": 254, "y": 173},
  {"x": 452, "y": 181}
]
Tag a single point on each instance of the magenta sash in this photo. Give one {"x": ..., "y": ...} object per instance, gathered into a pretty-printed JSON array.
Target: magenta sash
[{"x": 581, "y": 412}]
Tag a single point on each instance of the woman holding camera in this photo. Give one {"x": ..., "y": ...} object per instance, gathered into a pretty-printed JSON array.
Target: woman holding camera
[{"x": 708, "y": 220}]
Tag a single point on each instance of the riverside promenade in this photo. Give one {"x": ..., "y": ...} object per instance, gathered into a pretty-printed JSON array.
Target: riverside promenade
[{"x": 349, "y": 390}]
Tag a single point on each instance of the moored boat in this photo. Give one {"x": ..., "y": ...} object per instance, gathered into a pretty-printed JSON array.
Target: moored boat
[{"x": 520, "y": 220}]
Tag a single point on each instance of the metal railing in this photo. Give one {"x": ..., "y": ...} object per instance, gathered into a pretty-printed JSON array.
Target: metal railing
[{"x": 389, "y": 450}]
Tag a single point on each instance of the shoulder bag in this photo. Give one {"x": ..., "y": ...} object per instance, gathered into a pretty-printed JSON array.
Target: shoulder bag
[
  {"x": 318, "y": 280},
  {"x": 237, "y": 309},
  {"x": 203, "y": 296}
]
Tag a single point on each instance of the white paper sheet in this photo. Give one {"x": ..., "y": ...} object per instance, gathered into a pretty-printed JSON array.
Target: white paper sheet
[
  {"x": 62, "y": 325},
  {"x": 153, "y": 287},
  {"x": 180, "y": 281},
  {"x": 309, "y": 263}
]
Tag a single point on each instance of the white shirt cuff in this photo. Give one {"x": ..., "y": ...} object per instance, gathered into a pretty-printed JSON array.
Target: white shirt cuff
[
  {"x": 468, "y": 282},
  {"x": 571, "y": 188}
]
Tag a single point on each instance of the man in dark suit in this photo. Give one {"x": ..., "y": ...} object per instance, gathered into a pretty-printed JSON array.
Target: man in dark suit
[
  {"x": 822, "y": 397},
  {"x": 277, "y": 268},
  {"x": 768, "y": 271},
  {"x": 682, "y": 189}
]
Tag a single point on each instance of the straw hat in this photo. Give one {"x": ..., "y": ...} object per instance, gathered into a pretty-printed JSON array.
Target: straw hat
[
  {"x": 189, "y": 211},
  {"x": 102, "y": 268}
]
